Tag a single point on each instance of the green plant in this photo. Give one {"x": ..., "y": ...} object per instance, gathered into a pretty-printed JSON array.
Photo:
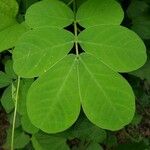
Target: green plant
[{"x": 89, "y": 77}]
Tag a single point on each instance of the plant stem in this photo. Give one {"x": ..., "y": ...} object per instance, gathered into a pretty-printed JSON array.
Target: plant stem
[
  {"x": 75, "y": 29},
  {"x": 15, "y": 113}
]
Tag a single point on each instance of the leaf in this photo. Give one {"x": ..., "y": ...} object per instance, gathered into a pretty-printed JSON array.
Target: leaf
[
  {"x": 94, "y": 146},
  {"x": 115, "y": 46},
  {"x": 8, "y": 12},
  {"x": 104, "y": 93},
  {"x": 132, "y": 146},
  {"x": 138, "y": 11},
  {"x": 137, "y": 8},
  {"x": 95, "y": 12},
  {"x": 10, "y": 30},
  {"x": 137, "y": 119},
  {"x": 27, "y": 125},
  {"x": 53, "y": 101},
  {"x": 24, "y": 87},
  {"x": 141, "y": 26},
  {"x": 9, "y": 69},
  {"x": 18, "y": 119},
  {"x": 111, "y": 140},
  {"x": 4, "y": 80},
  {"x": 43, "y": 141},
  {"x": 38, "y": 50},
  {"x": 6, "y": 100},
  {"x": 54, "y": 14},
  {"x": 85, "y": 130},
  {"x": 143, "y": 72},
  {"x": 20, "y": 140},
  {"x": 10, "y": 35},
  {"x": 50, "y": 98}
]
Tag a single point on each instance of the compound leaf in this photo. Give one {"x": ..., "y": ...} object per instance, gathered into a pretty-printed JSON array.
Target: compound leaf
[
  {"x": 119, "y": 48},
  {"x": 39, "y": 49},
  {"x": 53, "y": 102},
  {"x": 95, "y": 12},
  {"x": 104, "y": 93},
  {"x": 49, "y": 13}
]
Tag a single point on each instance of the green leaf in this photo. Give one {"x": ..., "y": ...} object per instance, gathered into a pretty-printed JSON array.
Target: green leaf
[
  {"x": 143, "y": 72},
  {"x": 18, "y": 119},
  {"x": 6, "y": 100},
  {"x": 54, "y": 14},
  {"x": 4, "y": 79},
  {"x": 22, "y": 109},
  {"x": 27, "y": 125},
  {"x": 8, "y": 12},
  {"x": 20, "y": 139},
  {"x": 132, "y": 146},
  {"x": 95, "y": 12},
  {"x": 10, "y": 35},
  {"x": 50, "y": 98},
  {"x": 141, "y": 26},
  {"x": 24, "y": 87},
  {"x": 137, "y": 8},
  {"x": 10, "y": 30},
  {"x": 38, "y": 50},
  {"x": 111, "y": 140},
  {"x": 53, "y": 101},
  {"x": 136, "y": 120},
  {"x": 85, "y": 130},
  {"x": 43, "y": 141},
  {"x": 107, "y": 99},
  {"x": 115, "y": 46},
  {"x": 94, "y": 146},
  {"x": 138, "y": 11},
  {"x": 9, "y": 69}
]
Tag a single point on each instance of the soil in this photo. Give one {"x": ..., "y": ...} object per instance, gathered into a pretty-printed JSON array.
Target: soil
[{"x": 3, "y": 127}]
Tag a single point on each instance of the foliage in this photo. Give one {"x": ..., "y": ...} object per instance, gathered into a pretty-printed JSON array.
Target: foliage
[{"x": 67, "y": 65}]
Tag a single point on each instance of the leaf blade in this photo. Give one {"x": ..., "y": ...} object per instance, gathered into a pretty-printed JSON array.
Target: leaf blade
[
  {"x": 95, "y": 12},
  {"x": 39, "y": 49},
  {"x": 119, "y": 48},
  {"x": 106, "y": 94},
  {"x": 59, "y": 14},
  {"x": 53, "y": 99}
]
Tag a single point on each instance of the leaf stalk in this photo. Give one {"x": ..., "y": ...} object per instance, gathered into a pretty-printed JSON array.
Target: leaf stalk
[
  {"x": 75, "y": 29},
  {"x": 15, "y": 113}
]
